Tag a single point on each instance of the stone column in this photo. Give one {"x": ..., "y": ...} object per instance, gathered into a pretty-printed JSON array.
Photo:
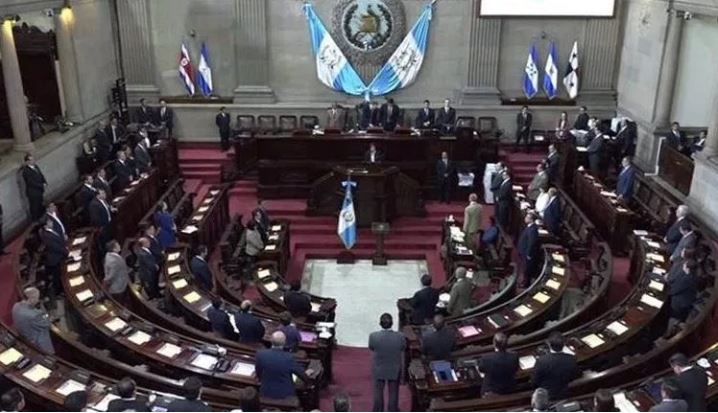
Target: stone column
[
  {"x": 711, "y": 146},
  {"x": 669, "y": 69},
  {"x": 483, "y": 71},
  {"x": 64, "y": 23},
  {"x": 133, "y": 18},
  {"x": 13, "y": 89},
  {"x": 251, "y": 55}
]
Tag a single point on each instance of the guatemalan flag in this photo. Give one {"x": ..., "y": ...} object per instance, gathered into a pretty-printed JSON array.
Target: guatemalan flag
[
  {"x": 333, "y": 68},
  {"x": 531, "y": 73},
  {"x": 403, "y": 66},
  {"x": 185, "y": 70},
  {"x": 347, "y": 225},
  {"x": 205, "y": 72},
  {"x": 570, "y": 79},
  {"x": 550, "y": 76}
]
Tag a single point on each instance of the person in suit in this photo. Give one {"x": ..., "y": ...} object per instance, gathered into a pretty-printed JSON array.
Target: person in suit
[
  {"x": 101, "y": 216},
  {"x": 335, "y": 117},
  {"x": 117, "y": 273},
  {"x": 165, "y": 117},
  {"x": 423, "y": 303},
  {"x": 603, "y": 401},
  {"x": 249, "y": 400},
  {"x": 389, "y": 115},
  {"x": 167, "y": 228},
  {"x": 499, "y": 367},
  {"x": 425, "y": 117},
  {"x": 373, "y": 155},
  {"x": 594, "y": 150},
  {"x": 530, "y": 249},
  {"x": 692, "y": 382},
  {"x": 298, "y": 303},
  {"x": 581, "y": 122},
  {"x": 445, "y": 172},
  {"x": 116, "y": 134},
  {"x": 553, "y": 161},
  {"x": 52, "y": 215},
  {"x": 143, "y": 158},
  {"x": 562, "y": 127},
  {"x": 75, "y": 401},
  {"x": 32, "y": 322},
  {"x": 670, "y": 398},
  {"x": 148, "y": 269},
  {"x": 145, "y": 115},
  {"x": 55, "y": 255},
  {"x": 200, "y": 268},
  {"x": 472, "y": 221},
  {"x": 460, "y": 293},
  {"x": 261, "y": 224},
  {"x": 688, "y": 240},
  {"x": 261, "y": 210},
  {"x": 12, "y": 401},
  {"x": 542, "y": 201},
  {"x": 251, "y": 329},
  {"x": 491, "y": 233},
  {"x": 682, "y": 289},
  {"x": 374, "y": 115},
  {"x": 539, "y": 181},
  {"x": 222, "y": 120},
  {"x": 387, "y": 348},
  {"x": 124, "y": 171},
  {"x": 676, "y": 138},
  {"x": 523, "y": 128},
  {"x": 497, "y": 178},
  {"x": 673, "y": 235},
  {"x": 446, "y": 118},
  {"x": 106, "y": 147},
  {"x": 626, "y": 138},
  {"x": 275, "y": 368},
  {"x": 540, "y": 400},
  {"x": 555, "y": 369},
  {"x": 363, "y": 113},
  {"x": 626, "y": 178},
  {"x": 131, "y": 162},
  {"x": 254, "y": 243},
  {"x": 505, "y": 199},
  {"x": 87, "y": 193},
  {"x": 439, "y": 343},
  {"x": 35, "y": 185},
  {"x": 219, "y": 320},
  {"x": 128, "y": 401},
  {"x": 192, "y": 392},
  {"x": 101, "y": 183},
  {"x": 552, "y": 215},
  {"x": 291, "y": 332}
]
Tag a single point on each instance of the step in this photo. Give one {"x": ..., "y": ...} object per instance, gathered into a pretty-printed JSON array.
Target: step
[
  {"x": 364, "y": 253},
  {"x": 319, "y": 242},
  {"x": 200, "y": 166},
  {"x": 211, "y": 177},
  {"x": 242, "y": 191},
  {"x": 313, "y": 229}
]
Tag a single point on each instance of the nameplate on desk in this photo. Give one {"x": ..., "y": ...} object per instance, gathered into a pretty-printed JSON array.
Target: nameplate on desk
[
  {"x": 558, "y": 258},
  {"x": 75, "y": 281},
  {"x": 214, "y": 192},
  {"x": 656, "y": 285},
  {"x": 37, "y": 373},
  {"x": 190, "y": 229},
  {"x": 272, "y": 286},
  {"x": 617, "y": 328},
  {"x": 76, "y": 255},
  {"x": 658, "y": 271},
  {"x": 553, "y": 284},
  {"x": 70, "y": 386},
  {"x": 523, "y": 310},
  {"x": 653, "y": 244},
  {"x": 497, "y": 320},
  {"x": 118, "y": 200},
  {"x": 581, "y": 149},
  {"x": 10, "y": 356},
  {"x": 270, "y": 247},
  {"x": 539, "y": 138},
  {"x": 640, "y": 233},
  {"x": 173, "y": 256},
  {"x": 169, "y": 350},
  {"x": 651, "y": 301},
  {"x": 608, "y": 194},
  {"x": 203, "y": 209},
  {"x": 192, "y": 297},
  {"x": 263, "y": 273},
  {"x": 78, "y": 241},
  {"x": 558, "y": 270},
  {"x": 655, "y": 257},
  {"x": 622, "y": 210},
  {"x": 173, "y": 269},
  {"x": 207, "y": 201},
  {"x": 276, "y": 228},
  {"x": 542, "y": 232},
  {"x": 541, "y": 297},
  {"x": 274, "y": 237},
  {"x": 73, "y": 266},
  {"x": 84, "y": 295},
  {"x": 517, "y": 187},
  {"x": 243, "y": 369},
  {"x": 179, "y": 284},
  {"x": 116, "y": 324},
  {"x": 527, "y": 362},
  {"x": 205, "y": 361},
  {"x": 593, "y": 340},
  {"x": 197, "y": 217},
  {"x": 139, "y": 337},
  {"x": 468, "y": 331}
]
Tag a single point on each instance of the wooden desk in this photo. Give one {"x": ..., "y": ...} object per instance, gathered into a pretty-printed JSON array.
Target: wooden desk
[
  {"x": 132, "y": 203},
  {"x": 675, "y": 168},
  {"x": 245, "y": 154},
  {"x": 277, "y": 249},
  {"x": 655, "y": 206},
  {"x": 165, "y": 158},
  {"x": 208, "y": 220},
  {"x": 179, "y": 204}
]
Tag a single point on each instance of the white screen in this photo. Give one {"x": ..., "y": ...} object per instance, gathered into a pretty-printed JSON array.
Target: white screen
[{"x": 594, "y": 8}]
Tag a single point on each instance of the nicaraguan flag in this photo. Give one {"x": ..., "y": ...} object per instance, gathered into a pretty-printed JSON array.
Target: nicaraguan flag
[
  {"x": 550, "y": 77},
  {"x": 570, "y": 79},
  {"x": 333, "y": 68},
  {"x": 403, "y": 66},
  {"x": 185, "y": 70},
  {"x": 531, "y": 73},
  {"x": 205, "y": 72},
  {"x": 347, "y": 225}
]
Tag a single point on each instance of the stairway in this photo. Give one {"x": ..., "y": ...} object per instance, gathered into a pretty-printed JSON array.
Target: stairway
[{"x": 522, "y": 165}]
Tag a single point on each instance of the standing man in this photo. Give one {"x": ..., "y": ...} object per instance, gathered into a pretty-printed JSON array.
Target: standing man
[
  {"x": 673, "y": 235},
  {"x": 222, "y": 121},
  {"x": 425, "y": 117},
  {"x": 116, "y": 133},
  {"x": 117, "y": 273},
  {"x": 291, "y": 332},
  {"x": 556, "y": 369},
  {"x": 688, "y": 240},
  {"x": 683, "y": 289},
  {"x": 499, "y": 368},
  {"x": 438, "y": 344},
  {"x": 148, "y": 269},
  {"x": 446, "y": 119},
  {"x": 145, "y": 115},
  {"x": 552, "y": 213},
  {"x": 105, "y": 145},
  {"x": 55, "y": 255},
  {"x": 251, "y": 329},
  {"x": 626, "y": 178},
  {"x": 298, "y": 303},
  {"x": 423, "y": 303},
  {"x": 374, "y": 115},
  {"x": 692, "y": 382},
  {"x": 540, "y": 180},
  {"x": 581, "y": 122},
  {"x": 529, "y": 248},
  {"x": 460, "y": 294},
  {"x": 124, "y": 172},
  {"x": 505, "y": 197},
  {"x": 335, "y": 117},
  {"x": 165, "y": 117},
  {"x": 472, "y": 221},
  {"x": 595, "y": 153},
  {"x": 219, "y": 320},
  {"x": 101, "y": 217},
  {"x": 275, "y": 370},
  {"x": 496, "y": 179},
  {"x": 523, "y": 128},
  {"x": 54, "y": 217},
  {"x": 100, "y": 182},
  {"x": 200, "y": 268},
  {"x": 87, "y": 192},
  {"x": 445, "y": 177},
  {"x": 389, "y": 115},
  {"x": 143, "y": 158},
  {"x": 553, "y": 160},
  {"x": 387, "y": 347},
  {"x": 31, "y": 320},
  {"x": 35, "y": 185},
  {"x": 676, "y": 138}
]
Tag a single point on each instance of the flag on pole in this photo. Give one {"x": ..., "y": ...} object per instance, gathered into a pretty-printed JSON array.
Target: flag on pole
[
  {"x": 570, "y": 79},
  {"x": 185, "y": 70},
  {"x": 550, "y": 77},
  {"x": 531, "y": 73},
  {"x": 347, "y": 226},
  {"x": 205, "y": 72}
]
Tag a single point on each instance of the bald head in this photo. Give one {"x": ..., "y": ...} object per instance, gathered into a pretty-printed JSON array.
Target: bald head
[
  {"x": 460, "y": 273},
  {"x": 682, "y": 211},
  {"x": 278, "y": 339},
  {"x": 246, "y": 305},
  {"x": 32, "y": 295}
]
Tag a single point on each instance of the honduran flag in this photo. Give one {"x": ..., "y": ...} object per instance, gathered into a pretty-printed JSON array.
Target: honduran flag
[
  {"x": 531, "y": 73},
  {"x": 347, "y": 225},
  {"x": 185, "y": 70}
]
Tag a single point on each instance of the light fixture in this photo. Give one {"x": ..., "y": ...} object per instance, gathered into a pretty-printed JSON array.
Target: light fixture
[{"x": 12, "y": 18}]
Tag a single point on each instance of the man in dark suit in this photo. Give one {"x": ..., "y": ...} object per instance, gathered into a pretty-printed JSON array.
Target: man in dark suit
[
  {"x": 101, "y": 183},
  {"x": 496, "y": 179},
  {"x": 222, "y": 120},
  {"x": 423, "y": 303},
  {"x": 552, "y": 213},
  {"x": 261, "y": 209},
  {"x": 676, "y": 138},
  {"x": 145, "y": 115},
  {"x": 682, "y": 289},
  {"x": 387, "y": 347},
  {"x": 523, "y": 128},
  {"x": 556, "y": 369},
  {"x": 87, "y": 193},
  {"x": 373, "y": 155},
  {"x": 446, "y": 118},
  {"x": 692, "y": 381},
  {"x": 553, "y": 161},
  {"x": 148, "y": 269},
  {"x": 55, "y": 255},
  {"x": 439, "y": 343},
  {"x": 116, "y": 134},
  {"x": 275, "y": 368},
  {"x": 673, "y": 235},
  {"x": 192, "y": 391},
  {"x": 594, "y": 150},
  {"x": 363, "y": 111},
  {"x": 530, "y": 249},
  {"x": 335, "y": 117},
  {"x": 143, "y": 159},
  {"x": 128, "y": 401},
  {"x": 499, "y": 368},
  {"x": 124, "y": 172},
  {"x": 157, "y": 250},
  {"x": 445, "y": 177},
  {"x": 374, "y": 115},
  {"x": 165, "y": 117},
  {"x": 219, "y": 320},
  {"x": 626, "y": 178},
  {"x": 389, "y": 115},
  {"x": 671, "y": 398},
  {"x": 425, "y": 117},
  {"x": 298, "y": 303},
  {"x": 626, "y": 138},
  {"x": 688, "y": 240},
  {"x": 581, "y": 122},
  {"x": 251, "y": 329},
  {"x": 259, "y": 224},
  {"x": 505, "y": 198},
  {"x": 291, "y": 332},
  {"x": 200, "y": 268},
  {"x": 100, "y": 213},
  {"x": 35, "y": 185},
  {"x": 105, "y": 145}
]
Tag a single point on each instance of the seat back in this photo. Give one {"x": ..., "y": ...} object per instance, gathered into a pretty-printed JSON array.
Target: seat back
[
  {"x": 287, "y": 123},
  {"x": 267, "y": 123},
  {"x": 308, "y": 121}
]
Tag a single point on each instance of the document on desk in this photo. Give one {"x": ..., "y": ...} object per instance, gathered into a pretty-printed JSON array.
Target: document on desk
[
  {"x": 656, "y": 285},
  {"x": 527, "y": 362},
  {"x": 316, "y": 307},
  {"x": 593, "y": 340},
  {"x": 70, "y": 386},
  {"x": 72, "y": 267},
  {"x": 617, "y": 328},
  {"x": 76, "y": 254},
  {"x": 517, "y": 187},
  {"x": 263, "y": 273},
  {"x": 190, "y": 229},
  {"x": 541, "y": 297},
  {"x": 205, "y": 361},
  {"x": 640, "y": 232},
  {"x": 214, "y": 192},
  {"x": 243, "y": 369},
  {"x": 84, "y": 295},
  {"x": 523, "y": 310},
  {"x": 271, "y": 286},
  {"x": 274, "y": 237},
  {"x": 558, "y": 270},
  {"x": 173, "y": 256},
  {"x": 468, "y": 331},
  {"x": 192, "y": 297},
  {"x": 542, "y": 232},
  {"x": 658, "y": 271},
  {"x": 37, "y": 373},
  {"x": 655, "y": 257},
  {"x": 558, "y": 258},
  {"x": 197, "y": 217},
  {"x": 10, "y": 356},
  {"x": 173, "y": 270},
  {"x": 78, "y": 241},
  {"x": 208, "y": 200},
  {"x": 179, "y": 284},
  {"x": 651, "y": 301},
  {"x": 203, "y": 209},
  {"x": 276, "y": 228},
  {"x": 623, "y": 404},
  {"x": 582, "y": 149},
  {"x": 270, "y": 247},
  {"x": 75, "y": 281},
  {"x": 116, "y": 324},
  {"x": 609, "y": 194},
  {"x": 169, "y": 350},
  {"x": 139, "y": 338},
  {"x": 553, "y": 284},
  {"x": 654, "y": 245}
]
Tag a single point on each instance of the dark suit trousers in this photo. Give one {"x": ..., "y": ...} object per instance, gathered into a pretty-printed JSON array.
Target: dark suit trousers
[
  {"x": 393, "y": 405},
  {"x": 53, "y": 280},
  {"x": 37, "y": 209},
  {"x": 531, "y": 270},
  {"x": 503, "y": 210},
  {"x": 224, "y": 136},
  {"x": 525, "y": 136},
  {"x": 444, "y": 190},
  {"x": 151, "y": 287}
]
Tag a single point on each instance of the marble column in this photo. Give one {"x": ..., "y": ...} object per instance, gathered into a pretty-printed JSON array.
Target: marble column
[
  {"x": 483, "y": 71},
  {"x": 137, "y": 58},
  {"x": 64, "y": 23},
  {"x": 14, "y": 91},
  {"x": 711, "y": 145},
  {"x": 251, "y": 55},
  {"x": 669, "y": 69}
]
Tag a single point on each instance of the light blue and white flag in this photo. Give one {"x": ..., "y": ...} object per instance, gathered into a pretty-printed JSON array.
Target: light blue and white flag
[
  {"x": 205, "y": 72},
  {"x": 333, "y": 68},
  {"x": 550, "y": 76},
  {"x": 404, "y": 65},
  {"x": 531, "y": 73},
  {"x": 347, "y": 225}
]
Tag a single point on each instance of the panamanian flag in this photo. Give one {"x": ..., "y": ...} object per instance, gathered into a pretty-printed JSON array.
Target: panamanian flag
[
  {"x": 347, "y": 225},
  {"x": 570, "y": 79},
  {"x": 531, "y": 73}
]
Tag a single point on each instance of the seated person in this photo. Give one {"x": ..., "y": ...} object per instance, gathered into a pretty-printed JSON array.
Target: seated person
[
  {"x": 335, "y": 117},
  {"x": 251, "y": 329},
  {"x": 298, "y": 303},
  {"x": 423, "y": 303},
  {"x": 439, "y": 343},
  {"x": 671, "y": 400},
  {"x": 676, "y": 138},
  {"x": 425, "y": 117},
  {"x": 699, "y": 142},
  {"x": 128, "y": 401},
  {"x": 373, "y": 155}
]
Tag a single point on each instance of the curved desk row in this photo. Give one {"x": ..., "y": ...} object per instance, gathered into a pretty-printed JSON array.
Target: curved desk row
[
  {"x": 208, "y": 220},
  {"x": 179, "y": 204},
  {"x": 278, "y": 248}
]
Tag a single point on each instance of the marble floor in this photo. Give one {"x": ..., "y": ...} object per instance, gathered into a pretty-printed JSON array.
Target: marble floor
[{"x": 363, "y": 292}]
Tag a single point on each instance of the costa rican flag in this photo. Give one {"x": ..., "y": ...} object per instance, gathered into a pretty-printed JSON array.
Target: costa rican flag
[{"x": 185, "y": 70}]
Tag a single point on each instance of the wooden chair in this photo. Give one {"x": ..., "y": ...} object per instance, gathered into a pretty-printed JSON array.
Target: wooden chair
[
  {"x": 488, "y": 126},
  {"x": 245, "y": 125},
  {"x": 267, "y": 124},
  {"x": 287, "y": 123},
  {"x": 308, "y": 121}
]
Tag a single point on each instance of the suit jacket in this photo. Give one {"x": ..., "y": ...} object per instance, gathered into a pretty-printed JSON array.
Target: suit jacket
[
  {"x": 99, "y": 215},
  {"x": 693, "y": 383},
  {"x": 554, "y": 161},
  {"x": 117, "y": 273},
  {"x": 34, "y": 181},
  {"x": 446, "y": 119},
  {"x": 472, "y": 218},
  {"x": 183, "y": 405},
  {"x": 499, "y": 370},
  {"x": 624, "y": 186},
  {"x": 167, "y": 118},
  {"x": 219, "y": 320},
  {"x": 86, "y": 195},
  {"x": 389, "y": 120},
  {"x": 460, "y": 297},
  {"x": 147, "y": 267},
  {"x": 254, "y": 243},
  {"x": 581, "y": 122},
  {"x": 375, "y": 117},
  {"x": 223, "y": 123},
  {"x": 529, "y": 242},
  {"x": 136, "y": 404},
  {"x": 423, "y": 304},
  {"x": 275, "y": 368},
  {"x": 124, "y": 172},
  {"x": 687, "y": 241},
  {"x": 683, "y": 289},
  {"x": 594, "y": 148},
  {"x": 142, "y": 158},
  {"x": 673, "y": 236},
  {"x": 677, "y": 405},
  {"x": 363, "y": 115},
  {"x": 33, "y": 324},
  {"x": 496, "y": 180},
  {"x": 119, "y": 134},
  {"x": 425, "y": 115},
  {"x": 104, "y": 143},
  {"x": 145, "y": 114},
  {"x": 156, "y": 249},
  {"x": 444, "y": 171},
  {"x": 103, "y": 185},
  {"x": 201, "y": 272},
  {"x": 378, "y": 156},
  {"x": 438, "y": 345},
  {"x": 57, "y": 225},
  {"x": 298, "y": 303},
  {"x": 55, "y": 250},
  {"x": 552, "y": 216},
  {"x": 523, "y": 124},
  {"x": 540, "y": 180},
  {"x": 675, "y": 140},
  {"x": 554, "y": 371},
  {"x": 335, "y": 119},
  {"x": 293, "y": 337},
  {"x": 387, "y": 347},
  {"x": 251, "y": 329},
  {"x": 505, "y": 193}
]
